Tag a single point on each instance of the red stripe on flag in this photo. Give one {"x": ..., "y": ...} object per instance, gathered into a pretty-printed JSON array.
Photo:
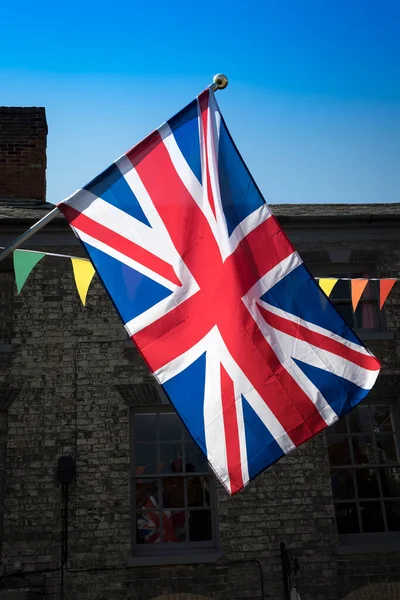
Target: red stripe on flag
[
  {"x": 118, "y": 242},
  {"x": 231, "y": 432},
  {"x": 321, "y": 341}
]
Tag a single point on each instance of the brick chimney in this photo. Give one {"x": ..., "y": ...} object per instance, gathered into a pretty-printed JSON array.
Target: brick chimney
[{"x": 23, "y": 137}]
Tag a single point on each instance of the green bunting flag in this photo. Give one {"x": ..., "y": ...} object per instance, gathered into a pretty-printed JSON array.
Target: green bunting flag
[{"x": 24, "y": 262}]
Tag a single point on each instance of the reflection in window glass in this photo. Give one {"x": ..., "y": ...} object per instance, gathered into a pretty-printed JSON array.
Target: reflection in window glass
[
  {"x": 146, "y": 491},
  {"x": 148, "y": 527},
  {"x": 174, "y": 526}
]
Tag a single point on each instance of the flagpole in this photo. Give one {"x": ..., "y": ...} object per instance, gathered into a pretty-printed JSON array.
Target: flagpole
[
  {"x": 28, "y": 233},
  {"x": 220, "y": 82}
]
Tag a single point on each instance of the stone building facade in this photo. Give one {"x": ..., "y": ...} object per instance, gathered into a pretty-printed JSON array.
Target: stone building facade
[{"x": 72, "y": 384}]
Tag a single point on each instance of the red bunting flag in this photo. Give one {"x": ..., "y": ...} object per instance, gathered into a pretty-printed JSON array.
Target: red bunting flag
[{"x": 385, "y": 286}]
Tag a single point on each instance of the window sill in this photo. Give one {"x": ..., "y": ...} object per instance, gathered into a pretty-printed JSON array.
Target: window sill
[
  {"x": 7, "y": 348},
  {"x": 378, "y": 544},
  {"x": 186, "y": 558},
  {"x": 375, "y": 335}
]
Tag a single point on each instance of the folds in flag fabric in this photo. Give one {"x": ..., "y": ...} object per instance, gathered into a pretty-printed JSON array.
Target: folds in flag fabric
[{"x": 215, "y": 297}]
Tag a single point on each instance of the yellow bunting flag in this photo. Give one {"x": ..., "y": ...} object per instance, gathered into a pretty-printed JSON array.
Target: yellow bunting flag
[
  {"x": 327, "y": 285},
  {"x": 385, "y": 286},
  {"x": 83, "y": 273},
  {"x": 357, "y": 288}
]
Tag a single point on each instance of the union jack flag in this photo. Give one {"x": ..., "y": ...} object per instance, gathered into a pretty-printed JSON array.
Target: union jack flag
[{"x": 251, "y": 353}]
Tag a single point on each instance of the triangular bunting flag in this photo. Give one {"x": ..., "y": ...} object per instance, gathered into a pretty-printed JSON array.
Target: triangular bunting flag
[
  {"x": 24, "y": 262},
  {"x": 357, "y": 288},
  {"x": 385, "y": 286},
  {"x": 83, "y": 273},
  {"x": 327, "y": 285}
]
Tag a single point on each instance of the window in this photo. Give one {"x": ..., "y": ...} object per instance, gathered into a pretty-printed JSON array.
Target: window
[
  {"x": 367, "y": 315},
  {"x": 172, "y": 487},
  {"x": 365, "y": 469}
]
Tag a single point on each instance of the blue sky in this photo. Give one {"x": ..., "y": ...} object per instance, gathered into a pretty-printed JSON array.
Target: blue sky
[{"x": 313, "y": 101}]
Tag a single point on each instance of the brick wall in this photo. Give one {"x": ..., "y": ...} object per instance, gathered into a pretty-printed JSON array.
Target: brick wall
[{"x": 23, "y": 134}]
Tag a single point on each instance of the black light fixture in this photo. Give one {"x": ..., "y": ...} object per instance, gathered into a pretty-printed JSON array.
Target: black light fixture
[{"x": 65, "y": 470}]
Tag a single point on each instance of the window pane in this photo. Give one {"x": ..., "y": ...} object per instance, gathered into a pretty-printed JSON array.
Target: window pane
[
  {"x": 196, "y": 462},
  {"x": 338, "y": 427},
  {"x": 387, "y": 451},
  {"x": 148, "y": 527},
  {"x": 145, "y": 428},
  {"x": 367, "y": 483},
  {"x": 146, "y": 493},
  {"x": 371, "y": 516},
  {"x": 200, "y": 529},
  {"x": 170, "y": 427},
  {"x": 381, "y": 418},
  {"x": 359, "y": 420},
  {"x": 173, "y": 526},
  {"x": 145, "y": 459},
  {"x": 346, "y": 312},
  {"x": 346, "y": 518},
  {"x": 390, "y": 478},
  {"x": 393, "y": 515},
  {"x": 342, "y": 484},
  {"x": 198, "y": 491},
  {"x": 341, "y": 290},
  {"x": 173, "y": 492},
  {"x": 366, "y": 316},
  {"x": 339, "y": 453},
  {"x": 363, "y": 450},
  {"x": 171, "y": 458}
]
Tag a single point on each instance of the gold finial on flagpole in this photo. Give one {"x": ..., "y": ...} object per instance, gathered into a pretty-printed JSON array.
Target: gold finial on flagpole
[{"x": 220, "y": 82}]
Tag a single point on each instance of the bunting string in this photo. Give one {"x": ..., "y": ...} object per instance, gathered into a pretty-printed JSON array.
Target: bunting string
[{"x": 83, "y": 271}]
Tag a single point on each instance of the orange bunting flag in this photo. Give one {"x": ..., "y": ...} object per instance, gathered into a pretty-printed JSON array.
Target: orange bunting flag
[
  {"x": 357, "y": 288},
  {"x": 385, "y": 286}
]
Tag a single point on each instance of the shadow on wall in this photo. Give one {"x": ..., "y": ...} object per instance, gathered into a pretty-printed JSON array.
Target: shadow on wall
[{"x": 374, "y": 591}]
